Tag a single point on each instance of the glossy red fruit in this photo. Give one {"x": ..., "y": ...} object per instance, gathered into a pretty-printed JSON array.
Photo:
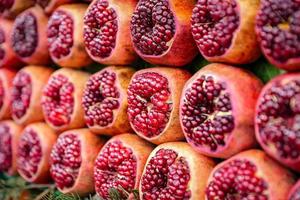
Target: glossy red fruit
[
  {"x": 120, "y": 164},
  {"x": 65, "y": 36},
  {"x": 294, "y": 193},
  {"x": 6, "y": 79},
  {"x": 224, "y": 31},
  {"x": 33, "y": 152},
  {"x": 72, "y": 161},
  {"x": 61, "y": 99},
  {"x": 249, "y": 175},
  {"x": 160, "y": 31},
  {"x": 10, "y": 133},
  {"x": 107, "y": 32},
  {"x": 153, "y": 103},
  {"x": 277, "y": 28},
  {"x": 105, "y": 101},
  {"x": 11, "y": 8},
  {"x": 8, "y": 57},
  {"x": 50, "y": 5},
  {"x": 29, "y": 36},
  {"x": 277, "y": 120},
  {"x": 217, "y": 110},
  {"x": 175, "y": 171},
  {"x": 26, "y": 92}
]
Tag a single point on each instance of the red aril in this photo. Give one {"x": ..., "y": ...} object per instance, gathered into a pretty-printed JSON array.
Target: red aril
[{"x": 6, "y": 79}]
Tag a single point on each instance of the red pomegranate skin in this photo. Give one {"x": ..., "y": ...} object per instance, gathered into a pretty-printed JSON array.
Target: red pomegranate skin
[
  {"x": 50, "y": 6},
  {"x": 294, "y": 193},
  {"x": 11, "y": 8},
  {"x": 249, "y": 174},
  {"x": 276, "y": 119},
  {"x": 217, "y": 110},
  {"x": 153, "y": 103}
]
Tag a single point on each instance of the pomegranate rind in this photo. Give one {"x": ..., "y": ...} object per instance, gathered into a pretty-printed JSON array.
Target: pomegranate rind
[
  {"x": 53, "y": 4},
  {"x": 6, "y": 77},
  {"x": 17, "y": 7},
  {"x": 294, "y": 190}
]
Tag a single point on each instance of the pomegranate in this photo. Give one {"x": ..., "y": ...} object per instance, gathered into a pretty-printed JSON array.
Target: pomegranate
[
  {"x": 175, "y": 171},
  {"x": 277, "y": 119},
  {"x": 153, "y": 103},
  {"x": 107, "y": 32},
  {"x": 6, "y": 78},
  {"x": 294, "y": 193},
  {"x": 277, "y": 28},
  {"x": 61, "y": 99},
  {"x": 249, "y": 175},
  {"x": 160, "y": 31},
  {"x": 29, "y": 36},
  {"x": 65, "y": 36},
  {"x": 26, "y": 94},
  {"x": 33, "y": 152},
  {"x": 120, "y": 163},
  {"x": 72, "y": 161},
  {"x": 105, "y": 100},
  {"x": 50, "y": 5},
  {"x": 217, "y": 110},
  {"x": 10, "y": 133},
  {"x": 8, "y": 57},
  {"x": 11, "y": 8},
  {"x": 224, "y": 31}
]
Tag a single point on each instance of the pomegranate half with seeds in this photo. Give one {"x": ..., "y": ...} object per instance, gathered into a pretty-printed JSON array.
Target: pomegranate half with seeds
[
  {"x": 217, "y": 110},
  {"x": 11, "y": 8},
  {"x": 50, "y": 5},
  {"x": 249, "y": 175},
  {"x": 105, "y": 100},
  {"x": 27, "y": 92},
  {"x": 277, "y": 119},
  {"x": 6, "y": 79},
  {"x": 10, "y": 133},
  {"x": 33, "y": 152},
  {"x": 294, "y": 193},
  {"x": 61, "y": 99},
  {"x": 120, "y": 164},
  {"x": 175, "y": 171},
  {"x": 224, "y": 31},
  {"x": 72, "y": 161},
  {"x": 153, "y": 103},
  {"x": 8, "y": 58},
  {"x": 278, "y": 30},
  {"x": 160, "y": 31},
  {"x": 29, "y": 36},
  {"x": 107, "y": 32},
  {"x": 65, "y": 36}
]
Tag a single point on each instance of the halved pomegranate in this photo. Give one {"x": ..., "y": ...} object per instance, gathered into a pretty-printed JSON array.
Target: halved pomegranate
[
  {"x": 217, "y": 110},
  {"x": 50, "y": 5},
  {"x": 153, "y": 103},
  {"x": 72, "y": 161},
  {"x": 11, "y": 8},
  {"x": 8, "y": 58},
  {"x": 26, "y": 94},
  {"x": 33, "y": 152},
  {"x": 225, "y": 30},
  {"x": 29, "y": 36},
  {"x": 294, "y": 193},
  {"x": 120, "y": 164},
  {"x": 65, "y": 36},
  {"x": 10, "y": 133},
  {"x": 105, "y": 100},
  {"x": 160, "y": 31},
  {"x": 61, "y": 99},
  {"x": 249, "y": 175},
  {"x": 107, "y": 32},
  {"x": 277, "y": 119},
  {"x": 277, "y": 27},
  {"x": 6, "y": 79},
  {"x": 175, "y": 171}
]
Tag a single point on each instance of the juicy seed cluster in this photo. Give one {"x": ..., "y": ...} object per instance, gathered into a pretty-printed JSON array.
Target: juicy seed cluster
[
  {"x": 166, "y": 177},
  {"x": 278, "y": 118},
  {"x": 2, "y": 41},
  {"x": 43, "y": 3},
  {"x": 206, "y": 113},
  {"x": 25, "y": 35},
  {"x": 65, "y": 160},
  {"x": 58, "y": 100},
  {"x": 5, "y": 148},
  {"x": 149, "y": 103},
  {"x": 237, "y": 180},
  {"x": 21, "y": 94},
  {"x": 115, "y": 167},
  {"x": 100, "y": 30},
  {"x": 5, "y": 5},
  {"x": 278, "y": 25},
  {"x": 2, "y": 94},
  {"x": 152, "y": 26},
  {"x": 295, "y": 195},
  {"x": 100, "y": 99},
  {"x": 29, "y": 153},
  {"x": 60, "y": 34}
]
